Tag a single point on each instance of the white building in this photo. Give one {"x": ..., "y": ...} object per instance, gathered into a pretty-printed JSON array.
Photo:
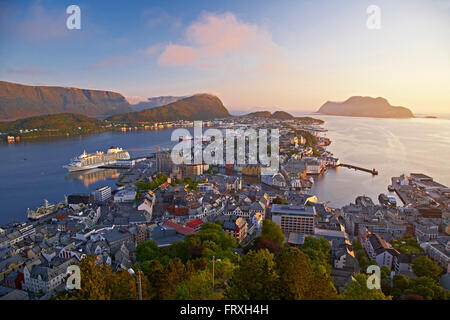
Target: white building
[
  {"x": 298, "y": 219},
  {"x": 379, "y": 250},
  {"x": 45, "y": 279},
  {"x": 126, "y": 195},
  {"x": 102, "y": 194},
  {"x": 147, "y": 204}
]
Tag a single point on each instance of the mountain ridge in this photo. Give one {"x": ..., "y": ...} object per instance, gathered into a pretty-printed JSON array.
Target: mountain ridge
[
  {"x": 154, "y": 102},
  {"x": 201, "y": 106},
  {"x": 19, "y": 101}
]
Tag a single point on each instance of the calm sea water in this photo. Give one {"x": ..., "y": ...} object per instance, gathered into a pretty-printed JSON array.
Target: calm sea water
[
  {"x": 392, "y": 146},
  {"x": 32, "y": 171}
]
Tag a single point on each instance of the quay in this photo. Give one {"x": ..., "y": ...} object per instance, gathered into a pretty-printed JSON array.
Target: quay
[
  {"x": 401, "y": 190},
  {"x": 350, "y": 166}
]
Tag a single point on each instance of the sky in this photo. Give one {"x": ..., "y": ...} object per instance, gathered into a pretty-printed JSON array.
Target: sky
[{"x": 287, "y": 55}]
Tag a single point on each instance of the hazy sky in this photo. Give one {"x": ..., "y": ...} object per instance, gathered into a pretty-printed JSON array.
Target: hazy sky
[{"x": 291, "y": 55}]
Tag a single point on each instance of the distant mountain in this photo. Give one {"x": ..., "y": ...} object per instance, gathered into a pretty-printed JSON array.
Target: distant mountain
[
  {"x": 155, "y": 102},
  {"x": 365, "y": 107},
  {"x": 258, "y": 114},
  {"x": 21, "y": 101},
  {"x": 281, "y": 115},
  {"x": 198, "y": 107}
]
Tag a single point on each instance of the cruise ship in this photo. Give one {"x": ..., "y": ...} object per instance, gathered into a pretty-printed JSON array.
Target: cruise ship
[{"x": 88, "y": 161}]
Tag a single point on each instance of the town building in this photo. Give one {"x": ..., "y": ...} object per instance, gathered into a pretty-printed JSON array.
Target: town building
[
  {"x": 379, "y": 250},
  {"x": 298, "y": 219},
  {"x": 237, "y": 227},
  {"x": 102, "y": 194}
]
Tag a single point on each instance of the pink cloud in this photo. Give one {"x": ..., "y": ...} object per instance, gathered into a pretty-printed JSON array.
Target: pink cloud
[
  {"x": 215, "y": 39},
  {"x": 177, "y": 55}
]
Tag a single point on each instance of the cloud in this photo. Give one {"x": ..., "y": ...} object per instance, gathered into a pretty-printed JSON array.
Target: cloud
[
  {"x": 154, "y": 49},
  {"x": 177, "y": 55},
  {"x": 215, "y": 40}
]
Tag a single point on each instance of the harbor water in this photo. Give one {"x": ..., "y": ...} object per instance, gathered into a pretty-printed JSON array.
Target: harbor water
[{"x": 32, "y": 170}]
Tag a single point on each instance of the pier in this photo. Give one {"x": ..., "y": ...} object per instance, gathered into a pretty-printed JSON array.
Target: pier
[{"x": 350, "y": 166}]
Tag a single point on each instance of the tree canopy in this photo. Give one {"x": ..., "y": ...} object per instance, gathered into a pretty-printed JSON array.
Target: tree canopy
[{"x": 357, "y": 289}]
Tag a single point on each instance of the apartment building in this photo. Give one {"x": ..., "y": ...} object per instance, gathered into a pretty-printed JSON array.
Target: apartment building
[{"x": 298, "y": 219}]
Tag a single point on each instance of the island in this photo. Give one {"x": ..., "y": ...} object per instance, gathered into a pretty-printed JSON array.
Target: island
[{"x": 358, "y": 106}]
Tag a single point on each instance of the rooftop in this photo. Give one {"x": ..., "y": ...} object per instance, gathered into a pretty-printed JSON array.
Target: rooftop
[{"x": 293, "y": 210}]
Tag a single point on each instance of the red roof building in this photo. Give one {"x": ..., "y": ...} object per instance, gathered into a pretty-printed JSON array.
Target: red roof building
[
  {"x": 179, "y": 228},
  {"x": 195, "y": 224}
]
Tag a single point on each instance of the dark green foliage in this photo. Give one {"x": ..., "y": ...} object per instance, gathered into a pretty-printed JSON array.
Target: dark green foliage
[
  {"x": 406, "y": 245},
  {"x": 54, "y": 125},
  {"x": 357, "y": 289},
  {"x": 427, "y": 288},
  {"x": 424, "y": 287},
  {"x": 297, "y": 280},
  {"x": 272, "y": 232},
  {"x": 255, "y": 278},
  {"x": 424, "y": 266},
  {"x": 318, "y": 250},
  {"x": 152, "y": 185}
]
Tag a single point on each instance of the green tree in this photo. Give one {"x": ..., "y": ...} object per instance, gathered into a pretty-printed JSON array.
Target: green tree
[
  {"x": 199, "y": 287},
  {"x": 297, "y": 281},
  {"x": 385, "y": 280},
  {"x": 122, "y": 286},
  {"x": 93, "y": 284},
  {"x": 295, "y": 272},
  {"x": 171, "y": 277},
  {"x": 147, "y": 250},
  {"x": 318, "y": 250},
  {"x": 400, "y": 283},
  {"x": 98, "y": 282},
  {"x": 427, "y": 288},
  {"x": 357, "y": 290},
  {"x": 271, "y": 231},
  {"x": 425, "y": 267},
  {"x": 255, "y": 278}
]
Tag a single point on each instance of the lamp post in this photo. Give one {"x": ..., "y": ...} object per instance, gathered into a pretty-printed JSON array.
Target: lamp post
[
  {"x": 138, "y": 281},
  {"x": 213, "y": 265},
  {"x": 213, "y": 260}
]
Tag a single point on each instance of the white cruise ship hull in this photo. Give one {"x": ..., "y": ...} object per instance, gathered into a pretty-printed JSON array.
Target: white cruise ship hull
[
  {"x": 95, "y": 160},
  {"x": 75, "y": 168}
]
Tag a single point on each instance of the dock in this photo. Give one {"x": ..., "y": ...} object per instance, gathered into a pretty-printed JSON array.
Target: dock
[{"x": 350, "y": 166}]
